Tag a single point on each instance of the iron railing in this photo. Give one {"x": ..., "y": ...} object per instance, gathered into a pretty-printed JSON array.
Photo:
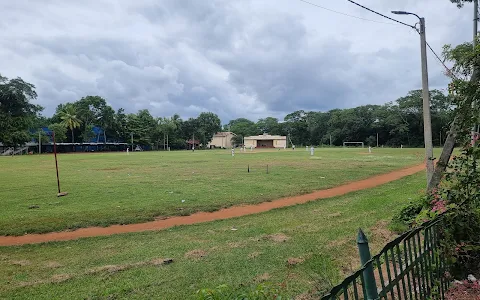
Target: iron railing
[{"x": 409, "y": 267}]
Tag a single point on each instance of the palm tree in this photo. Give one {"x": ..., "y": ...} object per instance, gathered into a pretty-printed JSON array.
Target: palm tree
[{"x": 69, "y": 118}]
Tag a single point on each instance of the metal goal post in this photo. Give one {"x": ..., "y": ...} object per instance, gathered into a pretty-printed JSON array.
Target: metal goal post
[{"x": 345, "y": 144}]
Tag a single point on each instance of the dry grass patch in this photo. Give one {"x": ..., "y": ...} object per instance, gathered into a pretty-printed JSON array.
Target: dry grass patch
[
  {"x": 277, "y": 238},
  {"x": 262, "y": 278},
  {"x": 237, "y": 244},
  {"x": 196, "y": 254},
  {"x": 254, "y": 254},
  {"x": 22, "y": 263},
  {"x": 53, "y": 265},
  {"x": 292, "y": 261}
]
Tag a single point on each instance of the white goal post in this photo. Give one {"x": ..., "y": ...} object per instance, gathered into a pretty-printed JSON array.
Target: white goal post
[{"x": 345, "y": 144}]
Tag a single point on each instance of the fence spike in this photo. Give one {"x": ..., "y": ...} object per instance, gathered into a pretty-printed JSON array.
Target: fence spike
[{"x": 365, "y": 256}]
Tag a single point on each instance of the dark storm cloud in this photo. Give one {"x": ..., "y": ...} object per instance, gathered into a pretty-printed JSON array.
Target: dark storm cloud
[{"x": 237, "y": 59}]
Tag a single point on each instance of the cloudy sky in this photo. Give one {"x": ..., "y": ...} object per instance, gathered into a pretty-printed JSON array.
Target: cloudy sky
[{"x": 237, "y": 58}]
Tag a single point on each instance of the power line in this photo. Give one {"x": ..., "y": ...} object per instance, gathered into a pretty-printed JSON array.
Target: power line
[
  {"x": 344, "y": 14},
  {"x": 441, "y": 61},
  {"x": 387, "y": 17}
]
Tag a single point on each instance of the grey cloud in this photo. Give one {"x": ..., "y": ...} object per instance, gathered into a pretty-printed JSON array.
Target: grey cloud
[{"x": 238, "y": 59}]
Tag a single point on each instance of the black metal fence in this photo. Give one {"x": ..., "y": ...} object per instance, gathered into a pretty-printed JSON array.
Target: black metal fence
[{"x": 409, "y": 267}]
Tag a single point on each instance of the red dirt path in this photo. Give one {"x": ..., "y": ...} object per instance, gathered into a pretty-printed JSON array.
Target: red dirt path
[{"x": 231, "y": 212}]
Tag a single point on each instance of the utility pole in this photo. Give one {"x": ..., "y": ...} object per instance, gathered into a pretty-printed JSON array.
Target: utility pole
[
  {"x": 474, "y": 42},
  {"x": 132, "y": 140},
  {"x": 39, "y": 142},
  {"x": 427, "y": 122},
  {"x": 475, "y": 22},
  {"x": 377, "y": 139}
]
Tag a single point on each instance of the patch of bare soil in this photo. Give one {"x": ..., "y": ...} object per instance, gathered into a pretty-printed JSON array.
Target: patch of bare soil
[
  {"x": 60, "y": 278},
  {"x": 237, "y": 244},
  {"x": 292, "y": 261},
  {"x": 196, "y": 254},
  {"x": 262, "y": 278},
  {"x": 381, "y": 233},
  {"x": 21, "y": 262},
  {"x": 277, "y": 238},
  {"x": 334, "y": 215},
  {"x": 53, "y": 265},
  {"x": 107, "y": 268},
  {"x": 464, "y": 290},
  {"x": 254, "y": 254},
  {"x": 350, "y": 261}
]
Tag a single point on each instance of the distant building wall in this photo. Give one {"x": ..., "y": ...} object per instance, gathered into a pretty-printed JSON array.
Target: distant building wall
[
  {"x": 221, "y": 140},
  {"x": 266, "y": 141}
]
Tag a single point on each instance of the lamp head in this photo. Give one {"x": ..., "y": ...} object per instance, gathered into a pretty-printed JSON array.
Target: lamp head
[{"x": 399, "y": 12}]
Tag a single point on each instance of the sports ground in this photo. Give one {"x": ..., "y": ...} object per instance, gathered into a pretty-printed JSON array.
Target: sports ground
[{"x": 297, "y": 246}]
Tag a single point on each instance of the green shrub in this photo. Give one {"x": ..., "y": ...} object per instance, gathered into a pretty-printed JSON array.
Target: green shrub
[{"x": 405, "y": 218}]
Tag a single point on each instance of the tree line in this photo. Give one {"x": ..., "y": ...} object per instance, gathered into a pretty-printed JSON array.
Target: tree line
[{"x": 395, "y": 123}]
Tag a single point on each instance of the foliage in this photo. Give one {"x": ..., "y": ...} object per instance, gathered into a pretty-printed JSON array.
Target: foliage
[
  {"x": 68, "y": 115},
  {"x": 457, "y": 198},
  {"x": 407, "y": 216},
  {"x": 60, "y": 131},
  {"x": 17, "y": 113},
  {"x": 460, "y": 3},
  {"x": 225, "y": 292}
]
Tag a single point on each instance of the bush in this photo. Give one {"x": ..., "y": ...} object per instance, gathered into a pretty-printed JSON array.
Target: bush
[{"x": 405, "y": 218}]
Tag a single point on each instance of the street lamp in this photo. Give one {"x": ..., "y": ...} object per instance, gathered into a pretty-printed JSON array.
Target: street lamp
[{"x": 427, "y": 122}]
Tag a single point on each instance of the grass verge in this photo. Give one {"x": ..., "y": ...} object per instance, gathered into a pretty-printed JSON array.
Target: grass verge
[
  {"x": 304, "y": 249},
  {"x": 115, "y": 188}
]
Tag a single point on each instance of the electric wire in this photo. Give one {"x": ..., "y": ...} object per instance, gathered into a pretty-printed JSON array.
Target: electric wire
[
  {"x": 344, "y": 14},
  {"x": 449, "y": 71},
  {"x": 387, "y": 17}
]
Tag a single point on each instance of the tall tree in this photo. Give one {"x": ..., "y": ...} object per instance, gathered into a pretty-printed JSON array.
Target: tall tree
[
  {"x": 242, "y": 127},
  {"x": 89, "y": 111},
  {"x": 208, "y": 124},
  {"x": 296, "y": 127},
  {"x": 69, "y": 118},
  {"x": 269, "y": 125},
  {"x": 17, "y": 113}
]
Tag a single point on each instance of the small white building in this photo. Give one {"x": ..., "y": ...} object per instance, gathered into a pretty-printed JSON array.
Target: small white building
[
  {"x": 266, "y": 141},
  {"x": 222, "y": 140}
]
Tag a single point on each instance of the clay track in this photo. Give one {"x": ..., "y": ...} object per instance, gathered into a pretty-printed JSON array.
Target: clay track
[{"x": 231, "y": 212}]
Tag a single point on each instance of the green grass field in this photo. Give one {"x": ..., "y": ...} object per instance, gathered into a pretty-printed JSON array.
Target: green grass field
[
  {"x": 115, "y": 188},
  {"x": 304, "y": 248}
]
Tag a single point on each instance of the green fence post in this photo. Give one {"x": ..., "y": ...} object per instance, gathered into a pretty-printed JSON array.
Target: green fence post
[{"x": 364, "y": 251}]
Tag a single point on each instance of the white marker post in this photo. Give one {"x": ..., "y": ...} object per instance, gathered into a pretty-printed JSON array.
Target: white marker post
[
  {"x": 369, "y": 149},
  {"x": 233, "y": 152},
  {"x": 401, "y": 146},
  {"x": 306, "y": 148},
  {"x": 127, "y": 151},
  {"x": 312, "y": 151}
]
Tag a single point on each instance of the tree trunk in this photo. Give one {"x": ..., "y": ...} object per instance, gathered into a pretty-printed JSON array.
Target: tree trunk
[
  {"x": 73, "y": 146},
  {"x": 451, "y": 139},
  {"x": 444, "y": 157}
]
